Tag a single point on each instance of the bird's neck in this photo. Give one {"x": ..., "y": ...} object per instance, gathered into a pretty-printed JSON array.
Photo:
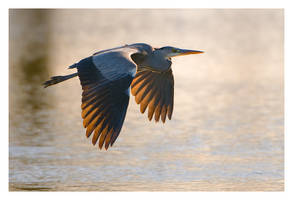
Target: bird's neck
[{"x": 158, "y": 61}]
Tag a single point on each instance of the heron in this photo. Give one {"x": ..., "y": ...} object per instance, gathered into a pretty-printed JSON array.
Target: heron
[{"x": 106, "y": 78}]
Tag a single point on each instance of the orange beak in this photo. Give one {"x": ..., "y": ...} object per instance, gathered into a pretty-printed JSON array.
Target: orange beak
[{"x": 184, "y": 52}]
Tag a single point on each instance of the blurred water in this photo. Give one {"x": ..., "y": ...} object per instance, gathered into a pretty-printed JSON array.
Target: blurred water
[{"x": 228, "y": 123}]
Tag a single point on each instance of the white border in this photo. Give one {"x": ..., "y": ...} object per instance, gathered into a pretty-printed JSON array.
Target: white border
[{"x": 149, "y": 4}]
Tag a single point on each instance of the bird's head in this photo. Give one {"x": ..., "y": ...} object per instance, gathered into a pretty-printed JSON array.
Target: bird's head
[{"x": 169, "y": 51}]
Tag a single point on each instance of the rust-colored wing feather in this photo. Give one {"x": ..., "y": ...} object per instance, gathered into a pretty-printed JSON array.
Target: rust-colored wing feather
[
  {"x": 104, "y": 101},
  {"x": 154, "y": 90}
]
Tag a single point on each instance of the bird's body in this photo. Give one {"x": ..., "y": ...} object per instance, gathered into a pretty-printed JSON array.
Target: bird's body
[{"x": 106, "y": 78}]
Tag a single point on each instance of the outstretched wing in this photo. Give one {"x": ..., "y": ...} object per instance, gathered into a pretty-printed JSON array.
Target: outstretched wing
[
  {"x": 105, "y": 80},
  {"x": 154, "y": 90}
]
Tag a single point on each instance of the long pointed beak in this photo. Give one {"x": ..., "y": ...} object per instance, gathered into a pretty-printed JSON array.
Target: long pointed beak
[{"x": 187, "y": 52}]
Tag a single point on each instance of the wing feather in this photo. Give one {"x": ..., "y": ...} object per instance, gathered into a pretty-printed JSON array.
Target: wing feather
[
  {"x": 105, "y": 81},
  {"x": 140, "y": 76},
  {"x": 154, "y": 90}
]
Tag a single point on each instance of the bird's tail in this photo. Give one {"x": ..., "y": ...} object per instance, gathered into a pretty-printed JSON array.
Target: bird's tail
[{"x": 57, "y": 79}]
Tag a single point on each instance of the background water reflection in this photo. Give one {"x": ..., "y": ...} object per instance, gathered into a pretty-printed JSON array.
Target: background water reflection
[{"x": 227, "y": 127}]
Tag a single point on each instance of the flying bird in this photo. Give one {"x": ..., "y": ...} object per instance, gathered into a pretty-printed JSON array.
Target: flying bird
[{"x": 106, "y": 78}]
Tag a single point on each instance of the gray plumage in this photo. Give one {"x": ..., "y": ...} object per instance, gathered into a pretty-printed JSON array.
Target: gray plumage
[{"x": 106, "y": 78}]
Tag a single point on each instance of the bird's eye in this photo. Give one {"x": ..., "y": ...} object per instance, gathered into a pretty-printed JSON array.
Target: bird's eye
[{"x": 175, "y": 50}]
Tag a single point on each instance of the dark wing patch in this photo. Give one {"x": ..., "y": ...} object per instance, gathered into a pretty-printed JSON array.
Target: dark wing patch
[
  {"x": 154, "y": 90},
  {"x": 104, "y": 103}
]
